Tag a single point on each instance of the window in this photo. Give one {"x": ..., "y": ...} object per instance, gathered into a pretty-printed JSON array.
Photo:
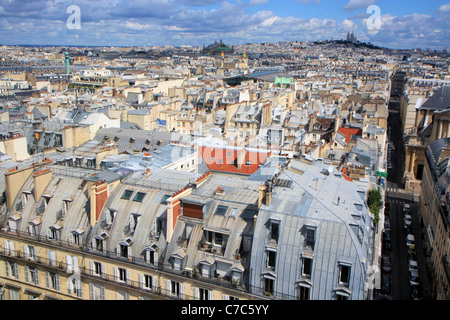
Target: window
[
  {"x": 74, "y": 287},
  {"x": 271, "y": 259},
  {"x": 310, "y": 236},
  {"x": 12, "y": 270},
  {"x": 14, "y": 294},
  {"x": 122, "y": 295},
  {"x": 216, "y": 238},
  {"x": 307, "y": 267},
  {"x": 274, "y": 229},
  {"x": 150, "y": 254},
  {"x": 54, "y": 232},
  {"x": 52, "y": 281},
  {"x": 133, "y": 222},
  {"x": 76, "y": 238},
  {"x": 110, "y": 216},
  {"x": 97, "y": 292},
  {"x": 97, "y": 268},
  {"x": 344, "y": 274},
  {"x": 126, "y": 195},
  {"x": 8, "y": 247},
  {"x": 98, "y": 244},
  {"x": 139, "y": 197},
  {"x": 202, "y": 294},
  {"x": 52, "y": 257},
  {"x": 303, "y": 293},
  {"x": 164, "y": 200},
  {"x": 227, "y": 297},
  {"x": 221, "y": 210},
  {"x": 29, "y": 252},
  {"x": 72, "y": 263},
  {"x": 341, "y": 297},
  {"x": 123, "y": 251},
  {"x": 174, "y": 288},
  {"x": 146, "y": 281},
  {"x": 31, "y": 275},
  {"x": 121, "y": 275},
  {"x": 269, "y": 286}
]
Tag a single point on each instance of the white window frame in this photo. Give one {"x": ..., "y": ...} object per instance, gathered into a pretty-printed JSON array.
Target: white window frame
[
  {"x": 52, "y": 281},
  {"x": 32, "y": 275},
  {"x": 93, "y": 294},
  {"x": 340, "y": 266}
]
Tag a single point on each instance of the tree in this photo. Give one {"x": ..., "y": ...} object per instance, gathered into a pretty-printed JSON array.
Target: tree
[{"x": 374, "y": 202}]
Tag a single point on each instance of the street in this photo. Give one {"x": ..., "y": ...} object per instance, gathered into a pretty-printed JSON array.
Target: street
[{"x": 396, "y": 197}]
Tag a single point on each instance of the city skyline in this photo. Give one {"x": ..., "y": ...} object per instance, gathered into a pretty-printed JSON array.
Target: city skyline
[{"x": 395, "y": 24}]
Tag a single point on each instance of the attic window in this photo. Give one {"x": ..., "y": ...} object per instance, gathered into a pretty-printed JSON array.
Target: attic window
[
  {"x": 164, "y": 200},
  {"x": 221, "y": 210},
  {"x": 126, "y": 195},
  {"x": 139, "y": 196}
]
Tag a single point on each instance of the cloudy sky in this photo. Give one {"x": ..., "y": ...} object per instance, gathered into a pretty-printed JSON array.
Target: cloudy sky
[{"x": 390, "y": 23}]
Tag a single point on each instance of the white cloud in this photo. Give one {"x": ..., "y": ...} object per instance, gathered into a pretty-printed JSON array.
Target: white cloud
[
  {"x": 359, "y": 4},
  {"x": 257, "y": 2},
  {"x": 445, "y": 7}
]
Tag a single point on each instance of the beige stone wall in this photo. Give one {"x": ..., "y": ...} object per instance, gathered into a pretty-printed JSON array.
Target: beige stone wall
[{"x": 16, "y": 148}]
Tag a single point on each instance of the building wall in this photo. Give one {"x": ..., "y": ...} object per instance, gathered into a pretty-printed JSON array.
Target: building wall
[
  {"x": 436, "y": 234},
  {"x": 16, "y": 148}
]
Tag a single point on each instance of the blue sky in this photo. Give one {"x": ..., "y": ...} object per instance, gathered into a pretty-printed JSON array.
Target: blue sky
[{"x": 401, "y": 24}]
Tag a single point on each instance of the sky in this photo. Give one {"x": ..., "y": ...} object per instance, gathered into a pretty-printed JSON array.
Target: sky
[{"x": 397, "y": 24}]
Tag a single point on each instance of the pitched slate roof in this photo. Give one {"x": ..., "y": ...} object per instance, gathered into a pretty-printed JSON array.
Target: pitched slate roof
[{"x": 439, "y": 100}]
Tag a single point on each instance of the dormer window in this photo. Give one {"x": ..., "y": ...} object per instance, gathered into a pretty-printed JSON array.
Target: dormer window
[
  {"x": 139, "y": 197},
  {"x": 274, "y": 230},
  {"x": 110, "y": 215},
  {"x": 54, "y": 232},
  {"x": 126, "y": 195},
  {"x": 124, "y": 248},
  {"x": 134, "y": 219},
  {"x": 310, "y": 237},
  {"x": 151, "y": 254},
  {"x": 66, "y": 205},
  {"x": 98, "y": 242},
  {"x": 76, "y": 236}
]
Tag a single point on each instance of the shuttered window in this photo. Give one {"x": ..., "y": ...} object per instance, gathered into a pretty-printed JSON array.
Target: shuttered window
[{"x": 192, "y": 210}]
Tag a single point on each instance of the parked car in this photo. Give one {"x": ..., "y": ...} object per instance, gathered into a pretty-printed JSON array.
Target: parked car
[
  {"x": 415, "y": 293},
  {"x": 387, "y": 223},
  {"x": 406, "y": 207},
  {"x": 386, "y": 284},
  {"x": 387, "y": 235},
  {"x": 386, "y": 267},
  {"x": 413, "y": 265},
  {"x": 412, "y": 255},
  {"x": 414, "y": 278},
  {"x": 410, "y": 241},
  {"x": 407, "y": 221},
  {"x": 408, "y": 229},
  {"x": 387, "y": 246}
]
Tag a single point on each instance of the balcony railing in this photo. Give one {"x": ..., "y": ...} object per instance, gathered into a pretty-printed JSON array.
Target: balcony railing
[{"x": 140, "y": 261}]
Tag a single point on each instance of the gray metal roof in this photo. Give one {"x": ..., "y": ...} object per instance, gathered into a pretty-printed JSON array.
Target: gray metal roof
[{"x": 312, "y": 200}]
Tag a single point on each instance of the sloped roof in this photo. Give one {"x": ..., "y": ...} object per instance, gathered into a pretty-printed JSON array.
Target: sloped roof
[
  {"x": 225, "y": 159},
  {"x": 349, "y": 133},
  {"x": 439, "y": 100}
]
